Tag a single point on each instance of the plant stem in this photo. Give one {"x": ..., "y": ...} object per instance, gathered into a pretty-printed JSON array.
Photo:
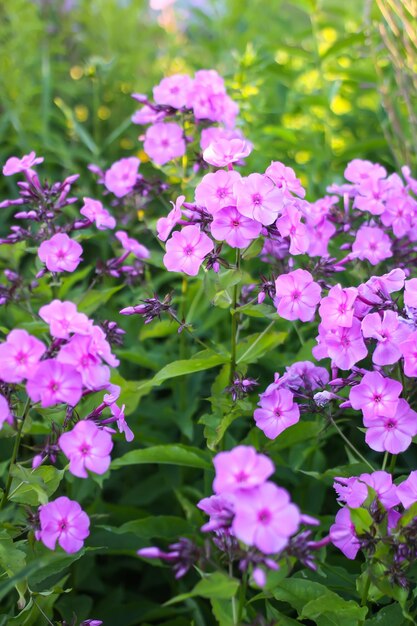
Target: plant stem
[
  {"x": 392, "y": 464},
  {"x": 384, "y": 462},
  {"x": 364, "y": 598},
  {"x": 242, "y": 597},
  {"x": 15, "y": 453},
  {"x": 234, "y": 607},
  {"x": 351, "y": 446},
  {"x": 235, "y": 320}
]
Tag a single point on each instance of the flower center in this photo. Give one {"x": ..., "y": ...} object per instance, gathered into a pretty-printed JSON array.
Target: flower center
[
  {"x": 257, "y": 198},
  {"x": 264, "y": 516},
  {"x": 85, "y": 449},
  {"x": 241, "y": 477},
  {"x": 54, "y": 386},
  {"x": 63, "y": 525},
  {"x": 188, "y": 250},
  {"x": 390, "y": 424},
  {"x": 221, "y": 192},
  {"x": 296, "y": 295}
]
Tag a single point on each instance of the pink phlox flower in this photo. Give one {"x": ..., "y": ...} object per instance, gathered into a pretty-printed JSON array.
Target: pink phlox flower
[
  {"x": 360, "y": 171},
  {"x": 316, "y": 212},
  {"x": 407, "y": 490},
  {"x": 350, "y": 491},
  {"x": 344, "y": 346},
  {"x": 60, "y": 253},
  {"x": 258, "y": 198},
  {"x": 410, "y": 293},
  {"x": 216, "y": 190},
  {"x": 284, "y": 178},
  {"x": 14, "y": 165},
  {"x": 297, "y": 295},
  {"x": 399, "y": 214},
  {"x": 122, "y": 175},
  {"x": 131, "y": 245},
  {"x": 409, "y": 351},
  {"x": 215, "y": 133},
  {"x": 19, "y": 356},
  {"x": 209, "y": 100},
  {"x": 372, "y": 244},
  {"x": 81, "y": 355},
  {"x": 186, "y": 250},
  {"x": 290, "y": 225},
  {"x": 377, "y": 290},
  {"x": 94, "y": 211},
  {"x": 165, "y": 225},
  {"x": 389, "y": 331},
  {"x": 173, "y": 90},
  {"x": 240, "y": 468},
  {"x": 277, "y": 411},
  {"x": 231, "y": 226},
  {"x": 381, "y": 483},
  {"x": 343, "y": 534},
  {"x": 319, "y": 237},
  {"x": 226, "y": 151},
  {"x": 5, "y": 413},
  {"x": 101, "y": 347},
  {"x": 87, "y": 447},
  {"x": 164, "y": 142},
  {"x": 336, "y": 309},
  {"x": 376, "y": 396},
  {"x": 265, "y": 518},
  {"x": 63, "y": 319},
  {"x": 113, "y": 394},
  {"x": 147, "y": 115},
  {"x": 392, "y": 434},
  {"x": 411, "y": 182},
  {"x": 122, "y": 425},
  {"x": 220, "y": 509},
  {"x": 63, "y": 521},
  {"x": 305, "y": 375},
  {"x": 53, "y": 382}
]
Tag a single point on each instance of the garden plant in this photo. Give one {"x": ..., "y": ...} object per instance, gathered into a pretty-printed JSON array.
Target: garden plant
[{"x": 207, "y": 401}]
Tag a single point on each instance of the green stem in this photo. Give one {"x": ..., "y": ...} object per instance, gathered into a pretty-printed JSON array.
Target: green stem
[
  {"x": 351, "y": 446},
  {"x": 384, "y": 462},
  {"x": 364, "y": 598},
  {"x": 235, "y": 322},
  {"x": 234, "y": 607},
  {"x": 242, "y": 597},
  {"x": 392, "y": 464},
  {"x": 254, "y": 344},
  {"x": 190, "y": 332},
  {"x": 15, "y": 453}
]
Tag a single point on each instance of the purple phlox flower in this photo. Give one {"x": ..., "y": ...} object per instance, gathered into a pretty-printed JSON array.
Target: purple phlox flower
[
  {"x": 344, "y": 346},
  {"x": 389, "y": 331},
  {"x": 290, "y": 225},
  {"x": 241, "y": 468},
  {"x": 14, "y": 165},
  {"x": 284, "y": 178},
  {"x": 409, "y": 351},
  {"x": 350, "y": 491},
  {"x": 343, "y": 534},
  {"x": 19, "y": 356},
  {"x": 231, "y": 226},
  {"x": 381, "y": 483},
  {"x": 5, "y": 413},
  {"x": 209, "y": 100},
  {"x": 220, "y": 509},
  {"x": 81, "y": 354},
  {"x": 297, "y": 295},
  {"x": 63, "y": 521},
  {"x": 122, "y": 425},
  {"x": 213, "y": 134},
  {"x": 52, "y": 382},
  {"x": 101, "y": 346},
  {"x": 376, "y": 396},
  {"x": 181, "y": 556},
  {"x": 60, "y": 253},
  {"x": 265, "y": 518},
  {"x": 407, "y": 490},
  {"x": 148, "y": 115},
  {"x": 277, "y": 412},
  {"x": 258, "y": 198},
  {"x": 186, "y": 250},
  {"x": 113, "y": 336},
  {"x": 303, "y": 375},
  {"x": 165, "y": 225},
  {"x": 173, "y": 91},
  {"x": 121, "y": 178},
  {"x": 392, "y": 434},
  {"x": 224, "y": 152},
  {"x": 132, "y": 246},
  {"x": 216, "y": 191},
  {"x": 63, "y": 319},
  {"x": 94, "y": 211},
  {"x": 319, "y": 236},
  {"x": 164, "y": 142},
  {"x": 372, "y": 244},
  {"x": 336, "y": 309},
  {"x": 87, "y": 447}
]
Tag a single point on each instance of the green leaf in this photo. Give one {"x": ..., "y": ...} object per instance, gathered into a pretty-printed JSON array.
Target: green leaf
[
  {"x": 171, "y": 454},
  {"x": 361, "y": 519},
  {"x": 12, "y": 560},
  {"x": 161, "y": 526},
  {"x": 256, "y": 346},
  {"x": 388, "y": 616},
  {"x": 93, "y": 299},
  {"x": 217, "y": 585},
  {"x": 34, "y": 486}
]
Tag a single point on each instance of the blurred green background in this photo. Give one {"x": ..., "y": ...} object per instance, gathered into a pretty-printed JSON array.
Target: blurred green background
[{"x": 319, "y": 82}]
